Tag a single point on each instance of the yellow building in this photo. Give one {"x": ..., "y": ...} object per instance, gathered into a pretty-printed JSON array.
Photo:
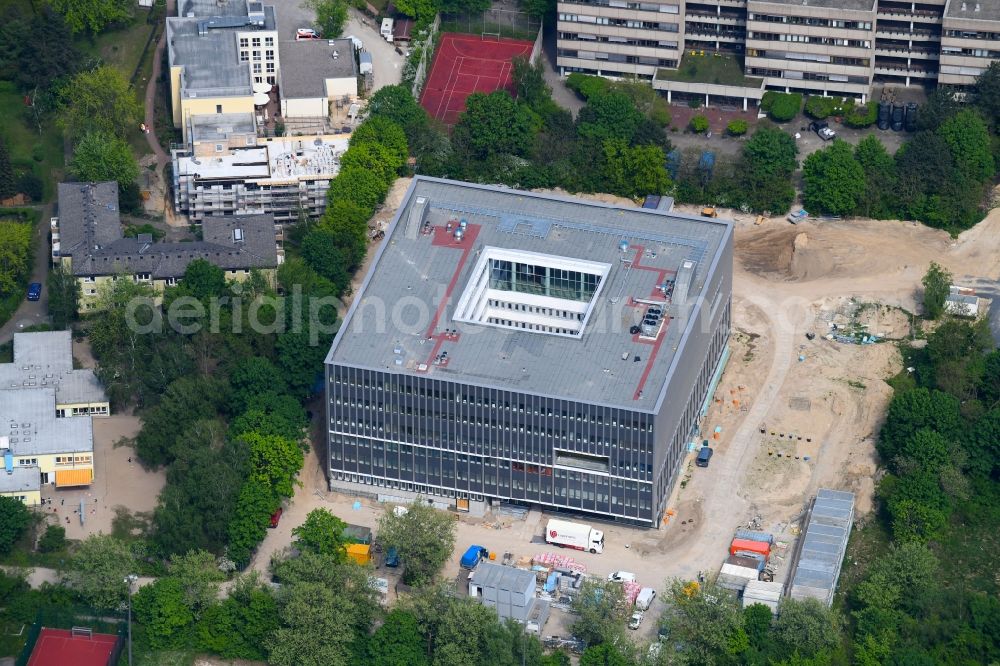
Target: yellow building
[
  {"x": 45, "y": 360},
  {"x": 60, "y": 451},
  {"x": 94, "y": 249},
  {"x": 21, "y": 483},
  {"x": 217, "y": 52}
]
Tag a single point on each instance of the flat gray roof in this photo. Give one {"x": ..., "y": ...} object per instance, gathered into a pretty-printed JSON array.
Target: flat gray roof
[
  {"x": 45, "y": 360},
  {"x": 220, "y": 126},
  {"x": 396, "y": 308},
  {"x": 852, "y": 5},
  {"x": 306, "y": 65},
  {"x": 973, "y": 10},
  {"x": 28, "y": 419},
  {"x": 823, "y": 546},
  {"x": 488, "y": 574},
  {"x": 207, "y": 8},
  {"x": 20, "y": 479},
  {"x": 211, "y": 60}
]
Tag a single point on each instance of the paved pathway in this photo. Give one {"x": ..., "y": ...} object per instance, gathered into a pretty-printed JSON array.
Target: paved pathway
[
  {"x": 30, "y": 313},
  {"x": 162, "y": 157}
]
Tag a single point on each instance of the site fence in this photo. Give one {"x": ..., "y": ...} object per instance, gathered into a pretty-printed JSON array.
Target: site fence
[
  {"x": 425, "y": 48},
  {"x": 495, "y": 24}
]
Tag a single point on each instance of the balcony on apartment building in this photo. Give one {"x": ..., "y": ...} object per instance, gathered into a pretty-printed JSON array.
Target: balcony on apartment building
[
  {"x": 906, "y": 11},
  {"x": 900, "y": 28},
  {"x": 904, "y": 49},
  {"x": 713, "y": 32}
]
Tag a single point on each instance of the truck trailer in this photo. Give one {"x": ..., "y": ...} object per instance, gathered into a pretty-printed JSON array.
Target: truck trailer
[{"x": 565, "y": 534}]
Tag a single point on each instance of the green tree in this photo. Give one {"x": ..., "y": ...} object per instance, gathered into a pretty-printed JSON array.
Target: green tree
[
  {"x": 202, "y": 280},
  {"x": 937, "y": 286},
  {"x": 374, "y": 157},
  {"x": 706, "y": 623},
  {"x": 880, "y": 178},
  {"x": 425, "y": 538},
  {"x": 634, "y": 171},
  {"x": 336, "y": 253},
  {"x": 397, "y": 642},
  {"x": 808, "y": 627},
  {"x": 315, "y": 628},
  {"x": 900, "y": 579},
  {"x": 160, "y": 610},
  {"x": 186, "y": 401},
  {"x": 984, "y": 454},
  {"x": 910, "y": 411},
  {"x": 471, "y": 635},
  {"x": 64, "y": 296},
  {"x": 241, "y": 627},
  {"x": 331, "y": 16},
  {"x": 33, "y": 64},
  {"x": 255, "y": 503},
  {"x": 274, "y": 460},
  {"x": 363, "y": 187},
  {"x": 53, "y": 539},
  {"x": 14, "y": 520},
  {"x": 529, "y": 81},
  {"x": 834, "y": 181},
  {"x": 386, "y": 133},
  {"x": 250, "y": 378},
  {"x": 100, "y": 156},
  {"x": 92, "y": 15},
  {"x": 600, "y": 611},
  {"x": 396, "y": 103},
  {"x": 98, "y": 569},
  {"x": 322, "y": 533},
  {"x": 271, "y": 414},
  {"x": 604, "y": 654},
  {"x": 609, "y": 116},
  {"x": 757, "y": 620},
  {"x": 968, "y": 138},
  {"x": 765, "y": 169},
  {"x": 8, "y": 184},
  {"x": 99, "y": 101},
  {"x": 15, "y": 256},
  {"x": 941, "y": 104},
  {"x": 495, "y": 124},
  {"x": 987, "y": 94},
  {"x": 199, "y": 576}
]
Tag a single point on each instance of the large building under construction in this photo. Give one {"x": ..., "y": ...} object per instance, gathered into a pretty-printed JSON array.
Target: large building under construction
[{"x": 526, "y": 348}]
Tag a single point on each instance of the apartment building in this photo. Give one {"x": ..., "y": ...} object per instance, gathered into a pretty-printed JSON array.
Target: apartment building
[
  {"x": 521, "y": 347},
  {"x": 217, "y": 51},
  {"x": 814, "y": 47},
  {"x": 227, "y": 170},
  {"x": 95, "y": 250},
  {"x": 619, "y": 38},
  {"x": 970, "y": 41}
]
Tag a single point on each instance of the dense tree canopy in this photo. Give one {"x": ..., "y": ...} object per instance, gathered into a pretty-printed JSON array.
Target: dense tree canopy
[
  {"x": 99, "y": 101},
  {"x": 92, "y": 15},
  {"x": 834, "y": 180},
  {"x": 424, "y": 536},
  {"x": 100, "y": 156}
]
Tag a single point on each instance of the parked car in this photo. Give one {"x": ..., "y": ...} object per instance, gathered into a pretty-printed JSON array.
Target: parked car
[
  {"x": 276, "y": 517},
  {"x": 635, "y": 620},
  {"x": 645, "y": 598},
  {"x": 621, "y": 577},
  {"x": 797, "y": 216},
  {"x": 392, "y": 557},
  {"x": 704, "y": 455},
  {"x": 34, "y": 291},
  {"x": 472, "y": 557},
  {"x": 822, "y": 130},
  {"x": 307, "y": 33}
]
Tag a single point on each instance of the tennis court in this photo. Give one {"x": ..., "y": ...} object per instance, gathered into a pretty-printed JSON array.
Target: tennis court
[{"x": 465, "y": 64}]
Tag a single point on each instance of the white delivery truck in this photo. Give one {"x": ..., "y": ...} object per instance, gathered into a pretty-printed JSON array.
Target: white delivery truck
[
  {"x": 565, "y": 534},
  {"x": 386, "y": 31}
]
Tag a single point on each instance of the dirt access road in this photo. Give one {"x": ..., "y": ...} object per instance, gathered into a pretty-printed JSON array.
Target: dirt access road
[{"x": 788, "y": 280}]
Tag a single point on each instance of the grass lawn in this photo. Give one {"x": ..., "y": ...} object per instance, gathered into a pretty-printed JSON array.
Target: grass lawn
[
  {"x": 42, "y": 152},
  {"x": 120, "y": 47},
  {"x": 709, "y": 68}
]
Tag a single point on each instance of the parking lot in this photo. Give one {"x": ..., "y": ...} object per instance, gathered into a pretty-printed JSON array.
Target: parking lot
[{"x": 388, "y": 64}]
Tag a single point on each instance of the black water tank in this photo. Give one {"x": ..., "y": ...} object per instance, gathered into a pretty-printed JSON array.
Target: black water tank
[
  {"x": 911, "y": 117},
  {"x": 884, "y": 114},
  {"x": 897, "y": 117}
]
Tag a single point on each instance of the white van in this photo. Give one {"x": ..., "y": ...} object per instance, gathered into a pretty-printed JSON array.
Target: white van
[
  {"x": 645, "y": 598},
  {"x": 386, "y": 30}
]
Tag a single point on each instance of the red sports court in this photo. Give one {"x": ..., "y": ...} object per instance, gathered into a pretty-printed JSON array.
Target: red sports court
[
  {"x": 465, "y": 64},
  {"x": 61, "y": 647}
]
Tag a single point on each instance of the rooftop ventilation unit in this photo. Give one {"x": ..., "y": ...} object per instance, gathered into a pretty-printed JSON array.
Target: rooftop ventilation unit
[{"x": 237, "y": 235}]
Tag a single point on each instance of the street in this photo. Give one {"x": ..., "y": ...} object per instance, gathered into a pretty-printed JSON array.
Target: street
[{"x": 32, "y": 313}]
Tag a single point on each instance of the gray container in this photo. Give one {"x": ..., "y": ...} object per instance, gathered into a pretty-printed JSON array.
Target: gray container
[{"x": 751, "y": 535}]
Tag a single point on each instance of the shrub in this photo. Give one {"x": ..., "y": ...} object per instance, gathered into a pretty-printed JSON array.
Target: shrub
[
  {"x": 737, "y": 127},
  {"x": 820, "y": 107},
  {"x": 695, "y": 102},
  {"x": 862, "y": 116},
  {"x": 785, "y": 106},
  {"x": 699, "y": 124},
  {"x": 31, "y": 185},
  {"x": 587, "y": 86},
  {"x": 767, "y": 101},
  {"x": 53, "y": 540}
]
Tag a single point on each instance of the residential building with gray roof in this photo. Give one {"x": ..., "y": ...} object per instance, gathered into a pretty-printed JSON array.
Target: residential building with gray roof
[{"x": 521, "y": 347}]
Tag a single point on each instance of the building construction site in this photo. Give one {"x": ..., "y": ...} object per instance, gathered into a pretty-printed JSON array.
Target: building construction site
[{"x": 817, "y": 309}]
